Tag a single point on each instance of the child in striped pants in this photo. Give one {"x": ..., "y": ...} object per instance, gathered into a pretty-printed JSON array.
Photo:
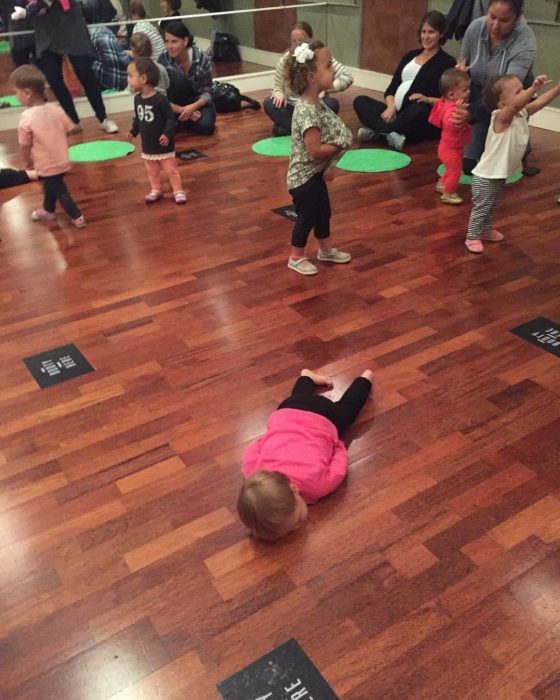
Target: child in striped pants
[{"x": 506, "y": 143}]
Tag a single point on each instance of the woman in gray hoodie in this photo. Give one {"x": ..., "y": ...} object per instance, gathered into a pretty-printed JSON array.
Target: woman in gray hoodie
[{"x": 501, "y": 43}]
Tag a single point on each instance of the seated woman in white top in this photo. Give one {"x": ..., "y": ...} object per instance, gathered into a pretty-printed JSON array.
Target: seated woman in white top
[
  {"x": 408, "y": 99},
  {"x": 138, "y": 12},
  {"x": 280, "y": 105}
]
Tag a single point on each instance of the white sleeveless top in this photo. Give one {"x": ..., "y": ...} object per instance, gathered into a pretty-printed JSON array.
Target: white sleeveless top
[
  {"x": 504, "y": 152},
  {"x": 409, "y": 73}
]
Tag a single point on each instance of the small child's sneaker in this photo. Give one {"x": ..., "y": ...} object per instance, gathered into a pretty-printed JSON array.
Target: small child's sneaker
[
  {"x": 80, "y": 222},
  {"x": 302, "y": 265},
  {"x": 439, "y": 187},
  {"x": 153, "y": 196},
  {"x": 333, "y": 255},
  {"x": 451, "y": 198},
  {"x": 42, "y": 215},
  {"x": 180, "y": 197}
]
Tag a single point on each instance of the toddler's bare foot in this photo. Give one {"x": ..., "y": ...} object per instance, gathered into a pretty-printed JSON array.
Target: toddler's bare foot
[{"x": 318, "y": 379}]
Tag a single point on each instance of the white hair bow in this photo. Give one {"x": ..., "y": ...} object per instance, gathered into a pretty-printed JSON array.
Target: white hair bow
[{"x": 303, "y": 53}]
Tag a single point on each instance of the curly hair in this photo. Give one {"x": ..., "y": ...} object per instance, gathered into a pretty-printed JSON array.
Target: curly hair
[
  {"x": 265, "y": 502},
  {"x": 492, "y": 91},
  {"x": 297, "y": 74}
]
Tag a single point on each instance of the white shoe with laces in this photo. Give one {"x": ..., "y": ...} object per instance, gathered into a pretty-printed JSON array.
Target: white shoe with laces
[{"x": 109, "y": 126}]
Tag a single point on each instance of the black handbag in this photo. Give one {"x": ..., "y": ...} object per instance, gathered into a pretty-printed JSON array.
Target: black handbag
[
  {"x": 227, "y": 98},
  {"x": 225, "y": 47}
]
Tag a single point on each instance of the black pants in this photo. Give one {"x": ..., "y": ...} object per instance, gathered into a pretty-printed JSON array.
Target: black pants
[
  {"x": 55, "y": 190},
  {"x": 412, "y": 121},
  {"x": 313, "y": 209},
  {"x": 51, "y": 65},
  {"x": 11, "y": 178},
  {"x": 23, "y": 56},
  {"x": 282, "y": 116},
  {"x": 341, "y": 413}
]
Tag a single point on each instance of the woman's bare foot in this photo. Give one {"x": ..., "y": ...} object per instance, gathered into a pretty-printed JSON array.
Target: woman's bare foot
[
  {"x": 317, "y": 379},
  {"x": 368, "y": 374}
]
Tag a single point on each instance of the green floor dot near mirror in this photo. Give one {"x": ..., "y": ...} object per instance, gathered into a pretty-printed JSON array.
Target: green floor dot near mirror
[
  {"x": 373, "y": 160},
  {"x": 12, "y": 100},
  {"x": 99, "y": 150},
  {"x": 467, "y": 179},
  {"x": 277, "y": 147}
]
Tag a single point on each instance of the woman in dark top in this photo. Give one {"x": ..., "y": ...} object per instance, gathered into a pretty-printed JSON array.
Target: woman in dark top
[
  {"x": 171, "y": 9},
  {"x": 404, "y": 116},
  {"x": 60, "y": 33},
  {"x": 190, "y": 80}
]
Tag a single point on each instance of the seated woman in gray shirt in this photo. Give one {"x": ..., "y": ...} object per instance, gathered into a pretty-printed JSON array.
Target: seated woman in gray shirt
[{"x": 280, "y": 105}]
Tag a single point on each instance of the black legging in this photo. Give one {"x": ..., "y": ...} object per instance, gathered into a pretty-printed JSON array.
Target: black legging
[
  {"x": 55, "y": 190},
  {"x": 341, "y": 413},
  {"x": 51, "y": 65},
  {"x": 412, "y": 121}
]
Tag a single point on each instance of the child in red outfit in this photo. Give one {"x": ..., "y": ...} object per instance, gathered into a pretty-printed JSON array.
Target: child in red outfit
[
  {"x": 455, "y": 89},
  {"x": 300, "y": 458}
]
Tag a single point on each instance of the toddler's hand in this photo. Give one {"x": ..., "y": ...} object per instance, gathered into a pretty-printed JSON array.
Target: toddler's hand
[
  {"x": 130, "y": 136},
  {"x": 540, "y": 81},
  {"x": 163, "y": 140}
]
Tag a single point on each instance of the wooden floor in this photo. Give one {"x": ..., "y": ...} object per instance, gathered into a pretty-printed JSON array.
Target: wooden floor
[{"x": 434, "y": 572}]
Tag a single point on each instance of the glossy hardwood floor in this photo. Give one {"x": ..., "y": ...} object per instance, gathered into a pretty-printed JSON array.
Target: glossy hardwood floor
[{"x": 432, "y": 573}]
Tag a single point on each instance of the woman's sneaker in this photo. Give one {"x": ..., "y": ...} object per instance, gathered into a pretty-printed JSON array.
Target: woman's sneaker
[
  {"x": 42, "y": 215},
  {"x": 366, "y": 135},
  {"x": 109, "y": 126},
  {"x": 334, "y": 255},
  {"x": 396, "y": 140},
  {"x": 451, "y": 198}
]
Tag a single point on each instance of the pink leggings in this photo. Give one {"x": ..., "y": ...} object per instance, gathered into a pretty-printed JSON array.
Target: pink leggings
[
  {"x": 169, "y": 166},
  {"x": 452, "y": 158}
]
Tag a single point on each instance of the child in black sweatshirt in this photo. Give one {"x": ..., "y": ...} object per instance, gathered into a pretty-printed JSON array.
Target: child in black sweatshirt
[{"x": 155, "y": 121}]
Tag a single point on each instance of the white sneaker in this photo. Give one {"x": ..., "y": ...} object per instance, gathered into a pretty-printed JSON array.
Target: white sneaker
[
  {"x": 76, "y": 129},
  {"x": 109, "y": 126},
  {"x": 396, "y": 140},
  {"x": 333, "y": 255}
]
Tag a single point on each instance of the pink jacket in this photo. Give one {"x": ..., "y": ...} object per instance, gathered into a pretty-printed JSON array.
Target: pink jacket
[
  {"x": 303, "y": 446},
  {"x": 451, "y": 136}
]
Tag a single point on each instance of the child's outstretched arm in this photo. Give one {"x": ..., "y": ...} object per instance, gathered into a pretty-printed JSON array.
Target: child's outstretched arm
[
  {"x": 543, "y": 100},
  {"x": 505, "y": 116},
  {"x": 318, "y": 150}
]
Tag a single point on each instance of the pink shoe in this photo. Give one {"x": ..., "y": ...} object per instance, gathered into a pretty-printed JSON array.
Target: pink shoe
[
  {"x": 153, "y": 196},
  {"x": 42, "y": 215},
  {"x": 180, "y": 197},
  {"x": 493, "y": 235},
  {"x": 80, "y": 222},
  {"x": 474, "y": 245}
]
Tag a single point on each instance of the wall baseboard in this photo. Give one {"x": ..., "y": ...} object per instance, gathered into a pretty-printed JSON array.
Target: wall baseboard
[{"x": 548, "y": 118}]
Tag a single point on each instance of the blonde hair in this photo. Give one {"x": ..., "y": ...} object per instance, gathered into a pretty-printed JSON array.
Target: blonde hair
[
  {"x": 141, "y": 45},
  {"x": 29, "y": 77},
  {"x": 265, "y": 502},
  {"x": 492, "y": 92},
  {"x": 296, "y": 74}
]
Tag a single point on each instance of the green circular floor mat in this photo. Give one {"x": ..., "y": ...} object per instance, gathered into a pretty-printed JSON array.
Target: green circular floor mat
[
  {"x": 99, "y": 150},
  {"x": 4, "y": 47},
  {"x": 278, "y": 147},
  {"x": 467, "y": 179},
  {"x": 12, "y": 100},
  {"x": 373, "y": 160}
]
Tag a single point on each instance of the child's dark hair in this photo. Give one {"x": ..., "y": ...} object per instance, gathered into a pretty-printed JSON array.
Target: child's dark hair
[
  {"x": 305, "y": 27},
  {"x": 145, "y": 66},
  {"x": 141, "y": 45},
  {"x": 175, "y": 5},
  {"x": 436, "y": 21},
  {"x": 265, "y": 502},
  {"x": 296, "y": 74},
  {"x": 138, "y": 9},
  {"x": 29, "y": 77},
  {"x": 516, "y": 6},
  {"x": 450, "y": 79},
  {"x": 492, "y": 91}
]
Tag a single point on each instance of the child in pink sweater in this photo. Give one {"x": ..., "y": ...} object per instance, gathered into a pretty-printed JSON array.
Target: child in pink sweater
[
  {"x": 300, "y": 458},
  {"x": 454, "y": 86}
]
